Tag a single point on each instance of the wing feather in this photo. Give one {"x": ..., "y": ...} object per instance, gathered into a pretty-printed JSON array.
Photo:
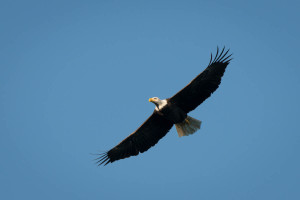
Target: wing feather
[
  {"x": 200, "y": 88},
  {"x": 146, "y": 136}
]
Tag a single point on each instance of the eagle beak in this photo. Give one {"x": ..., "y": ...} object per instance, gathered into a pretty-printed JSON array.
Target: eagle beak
[{"x": 151, "y": 100}]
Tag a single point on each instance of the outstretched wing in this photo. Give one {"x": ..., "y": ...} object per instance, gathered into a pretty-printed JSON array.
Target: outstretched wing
[
  {"x": 146, "y": 136},
  {"x": 203, "y": 85}
]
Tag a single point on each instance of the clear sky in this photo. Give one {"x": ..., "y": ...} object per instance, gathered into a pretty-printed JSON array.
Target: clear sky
[{"x": 75, "y": 78}]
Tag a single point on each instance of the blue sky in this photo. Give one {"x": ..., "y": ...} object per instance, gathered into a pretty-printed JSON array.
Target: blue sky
[{"x": 75, "y": 78}]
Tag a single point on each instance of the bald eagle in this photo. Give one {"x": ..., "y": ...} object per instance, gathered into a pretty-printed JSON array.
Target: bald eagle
[{"x": 172, "y": 111}]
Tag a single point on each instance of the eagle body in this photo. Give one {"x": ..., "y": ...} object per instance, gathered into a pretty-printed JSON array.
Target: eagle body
[{"x": 172, "y": 111}]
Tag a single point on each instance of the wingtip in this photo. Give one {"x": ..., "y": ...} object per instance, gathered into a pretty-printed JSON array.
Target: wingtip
[
  {"x": 216, "y": 55},
  {"x": 103, "y": 159},
  {"x": 220, "y": 57},
  {"x": 210, "y": 58}
]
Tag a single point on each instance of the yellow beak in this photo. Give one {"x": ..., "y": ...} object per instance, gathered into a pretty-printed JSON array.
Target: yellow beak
[{"x": 151, "y": 100}]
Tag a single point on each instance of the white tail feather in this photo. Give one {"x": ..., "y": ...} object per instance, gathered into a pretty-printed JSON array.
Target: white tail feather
[{"x": 188, "y": 127}]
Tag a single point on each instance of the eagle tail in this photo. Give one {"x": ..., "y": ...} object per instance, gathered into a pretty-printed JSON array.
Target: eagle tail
[{"x": 188, "y": 127}]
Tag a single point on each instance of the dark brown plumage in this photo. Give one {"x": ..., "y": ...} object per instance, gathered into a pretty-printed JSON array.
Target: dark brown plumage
[
  {"x": 176, "y": 109},
  {"x": 201, "y": 87}
]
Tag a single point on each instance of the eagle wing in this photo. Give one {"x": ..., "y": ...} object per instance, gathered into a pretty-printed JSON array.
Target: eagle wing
[
  {"x": 201, "y": 87},
  {"x": 146, "y": 136}
]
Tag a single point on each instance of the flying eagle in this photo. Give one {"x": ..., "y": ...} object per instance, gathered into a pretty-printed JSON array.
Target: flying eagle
[{"x": 172, "y": 111}]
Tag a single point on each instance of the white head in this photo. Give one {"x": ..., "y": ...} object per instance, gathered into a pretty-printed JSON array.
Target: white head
[{"x": 158, "y": 102}]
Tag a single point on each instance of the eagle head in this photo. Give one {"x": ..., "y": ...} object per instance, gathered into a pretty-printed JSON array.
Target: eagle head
[
  {"x": 158, "y": 102},
  {"x": 155, "y": 100}
]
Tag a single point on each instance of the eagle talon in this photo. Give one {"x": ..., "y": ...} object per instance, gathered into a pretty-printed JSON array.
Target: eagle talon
[{"x": 187, "y": 121}]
